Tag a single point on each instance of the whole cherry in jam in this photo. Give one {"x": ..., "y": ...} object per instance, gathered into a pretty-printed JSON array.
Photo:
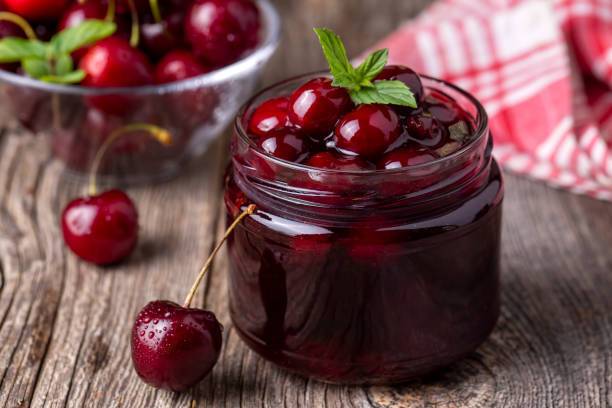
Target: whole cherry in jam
[
  {"x": 103, "y": 228},
  {"x": 270, "y": 117},
  {"x": 333, "y": 161},
  {"x": 178, "y": 65},
  {"x": 288, "y": 146},
  {"x": 174, "y": 347},
  {"x": 404, "y": 157},
  {"x": 368, "y": 131},
  {"x": 427, "y": 130},
  {"x": 316, "y": 106},
  {"x": 36, "y": 9},
  {"x": 405, "y": 75},
  {"x": 220, "y": 31}
]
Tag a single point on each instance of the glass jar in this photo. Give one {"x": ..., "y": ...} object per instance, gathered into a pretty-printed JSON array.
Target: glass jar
[{"x": 365, "y": 276}]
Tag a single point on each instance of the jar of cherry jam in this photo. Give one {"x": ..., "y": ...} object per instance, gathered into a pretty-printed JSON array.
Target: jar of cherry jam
[{"x": 367, "y": 272}]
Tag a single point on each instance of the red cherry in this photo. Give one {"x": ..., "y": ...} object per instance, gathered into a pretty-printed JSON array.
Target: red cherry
[
  {"x": 178, "y": 65},
  {"x": 101, "y": 229},
  {"x": 447, "y": 112},
  {"x": 220, "y": 31},
  {"x": 270, "y": 117},
  {"x": 161, "y": 37},
  {"x": 403, "y": 157},
  {"x": 36, "y": 9},
  {"x": 331, "y": 161},
  {"x": 286, "y": 146},
  {"x": 368, "y": 131},
  {"x": 174, "y": 347},
  {"x": 405, "y": 75},
  {"x": 426, "y": 130},
  {"x": 316, "y": 106},
  {"x": 79, "y": 12},
  {"x": 112, "y": 62}
]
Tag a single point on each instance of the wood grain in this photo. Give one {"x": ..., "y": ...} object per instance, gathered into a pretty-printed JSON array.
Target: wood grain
[{"x": 64, "y": 325}]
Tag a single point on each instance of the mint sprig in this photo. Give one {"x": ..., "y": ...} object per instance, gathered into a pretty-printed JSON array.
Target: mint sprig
[
  {"x": 360, "y": 82},
  {"x": 51, "y": 61}
]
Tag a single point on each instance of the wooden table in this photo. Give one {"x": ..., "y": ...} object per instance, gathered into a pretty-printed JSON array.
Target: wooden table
[{"x": 64, "y": 324}]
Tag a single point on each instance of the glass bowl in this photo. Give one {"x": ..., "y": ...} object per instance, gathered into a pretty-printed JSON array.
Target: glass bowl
[{"x": 76, "y": 120}]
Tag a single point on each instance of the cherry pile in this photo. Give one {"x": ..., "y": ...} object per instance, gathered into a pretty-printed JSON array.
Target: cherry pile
[
  {"x": 319, "y": 125},
  {"x": 176, "y": 39}
]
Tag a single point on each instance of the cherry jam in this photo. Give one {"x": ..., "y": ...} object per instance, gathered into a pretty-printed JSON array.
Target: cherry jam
[{"x": 371, "y": 267}]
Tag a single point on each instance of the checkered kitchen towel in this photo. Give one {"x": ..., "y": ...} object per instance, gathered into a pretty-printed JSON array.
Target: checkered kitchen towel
[{"x": 543, "y": 70}]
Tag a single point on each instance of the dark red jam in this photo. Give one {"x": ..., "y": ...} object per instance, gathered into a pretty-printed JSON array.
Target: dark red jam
[{"x": 374, "y": 254}]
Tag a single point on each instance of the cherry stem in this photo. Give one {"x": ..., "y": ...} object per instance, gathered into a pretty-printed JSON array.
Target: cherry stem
[
  {"x": 154, "y": 4},
  {"x": 19, "y": 21},
  {"x": 110, "y": 11},
  {"x": 249, "y": 211},
  {"x": 135, "y": 34},
  {"x": 157, "y": 133}
]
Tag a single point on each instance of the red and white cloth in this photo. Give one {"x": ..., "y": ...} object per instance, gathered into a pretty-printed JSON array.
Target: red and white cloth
[{"x": 543, "y": 71}]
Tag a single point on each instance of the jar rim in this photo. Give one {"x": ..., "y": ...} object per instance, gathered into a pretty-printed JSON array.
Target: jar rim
[{"x": 480, "y": 131}]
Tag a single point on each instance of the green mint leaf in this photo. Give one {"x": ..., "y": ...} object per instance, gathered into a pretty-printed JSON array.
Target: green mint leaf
[
  {"x": 73, "y": 77},
  {"x": 335, "y": 54},
  {"x": 86, "y": 33},
  {"x": 36, "y": 68},
  {"x": 385, "y": 92},
  {"x": 14, "y": 49},
  {"x": 63, "y": 64},
  {"x": 372, "y": 66}
]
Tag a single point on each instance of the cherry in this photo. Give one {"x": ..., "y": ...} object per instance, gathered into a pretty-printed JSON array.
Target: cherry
[
  {"x": 174, "y": 347},
  {"x": 405, "y": 75},
  {"x": 331, "y": 161},
  {"x": 220, "y": 31},
  {"x": 103, "y": 228},
  {"x": 192, "y": 107},
  {"x": 426, "y": 130},
  {"x": 286, "y": 146},
  {"x": 368, "y": 131},
  {"x": 447, "y": 112},
  {"x": 79, "y": 12},
  {"x": 403, "y": 157},
  {"x": 160, "y": 37},
  {"x": 316, "y": 106},
  {"x": 36, "y": 9},
  {"x": 112, "y": 62},
  {"x": 270, "y": 117},
  {"x": 178, "y": 65}
]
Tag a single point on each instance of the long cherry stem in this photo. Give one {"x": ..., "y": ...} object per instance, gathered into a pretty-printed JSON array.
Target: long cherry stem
[
  {"x": 19, "y": 21},
  {"x": 249, "y": 211},
  {"x": 157, "y": 133},
  {"x": 110, "y": 10},
  {"x": 135, "y": 34},
  {"x": 154, "y": 4}
]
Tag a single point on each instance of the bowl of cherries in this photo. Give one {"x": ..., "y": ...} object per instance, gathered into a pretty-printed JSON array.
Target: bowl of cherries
[{"x": 77, "y": 71}]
